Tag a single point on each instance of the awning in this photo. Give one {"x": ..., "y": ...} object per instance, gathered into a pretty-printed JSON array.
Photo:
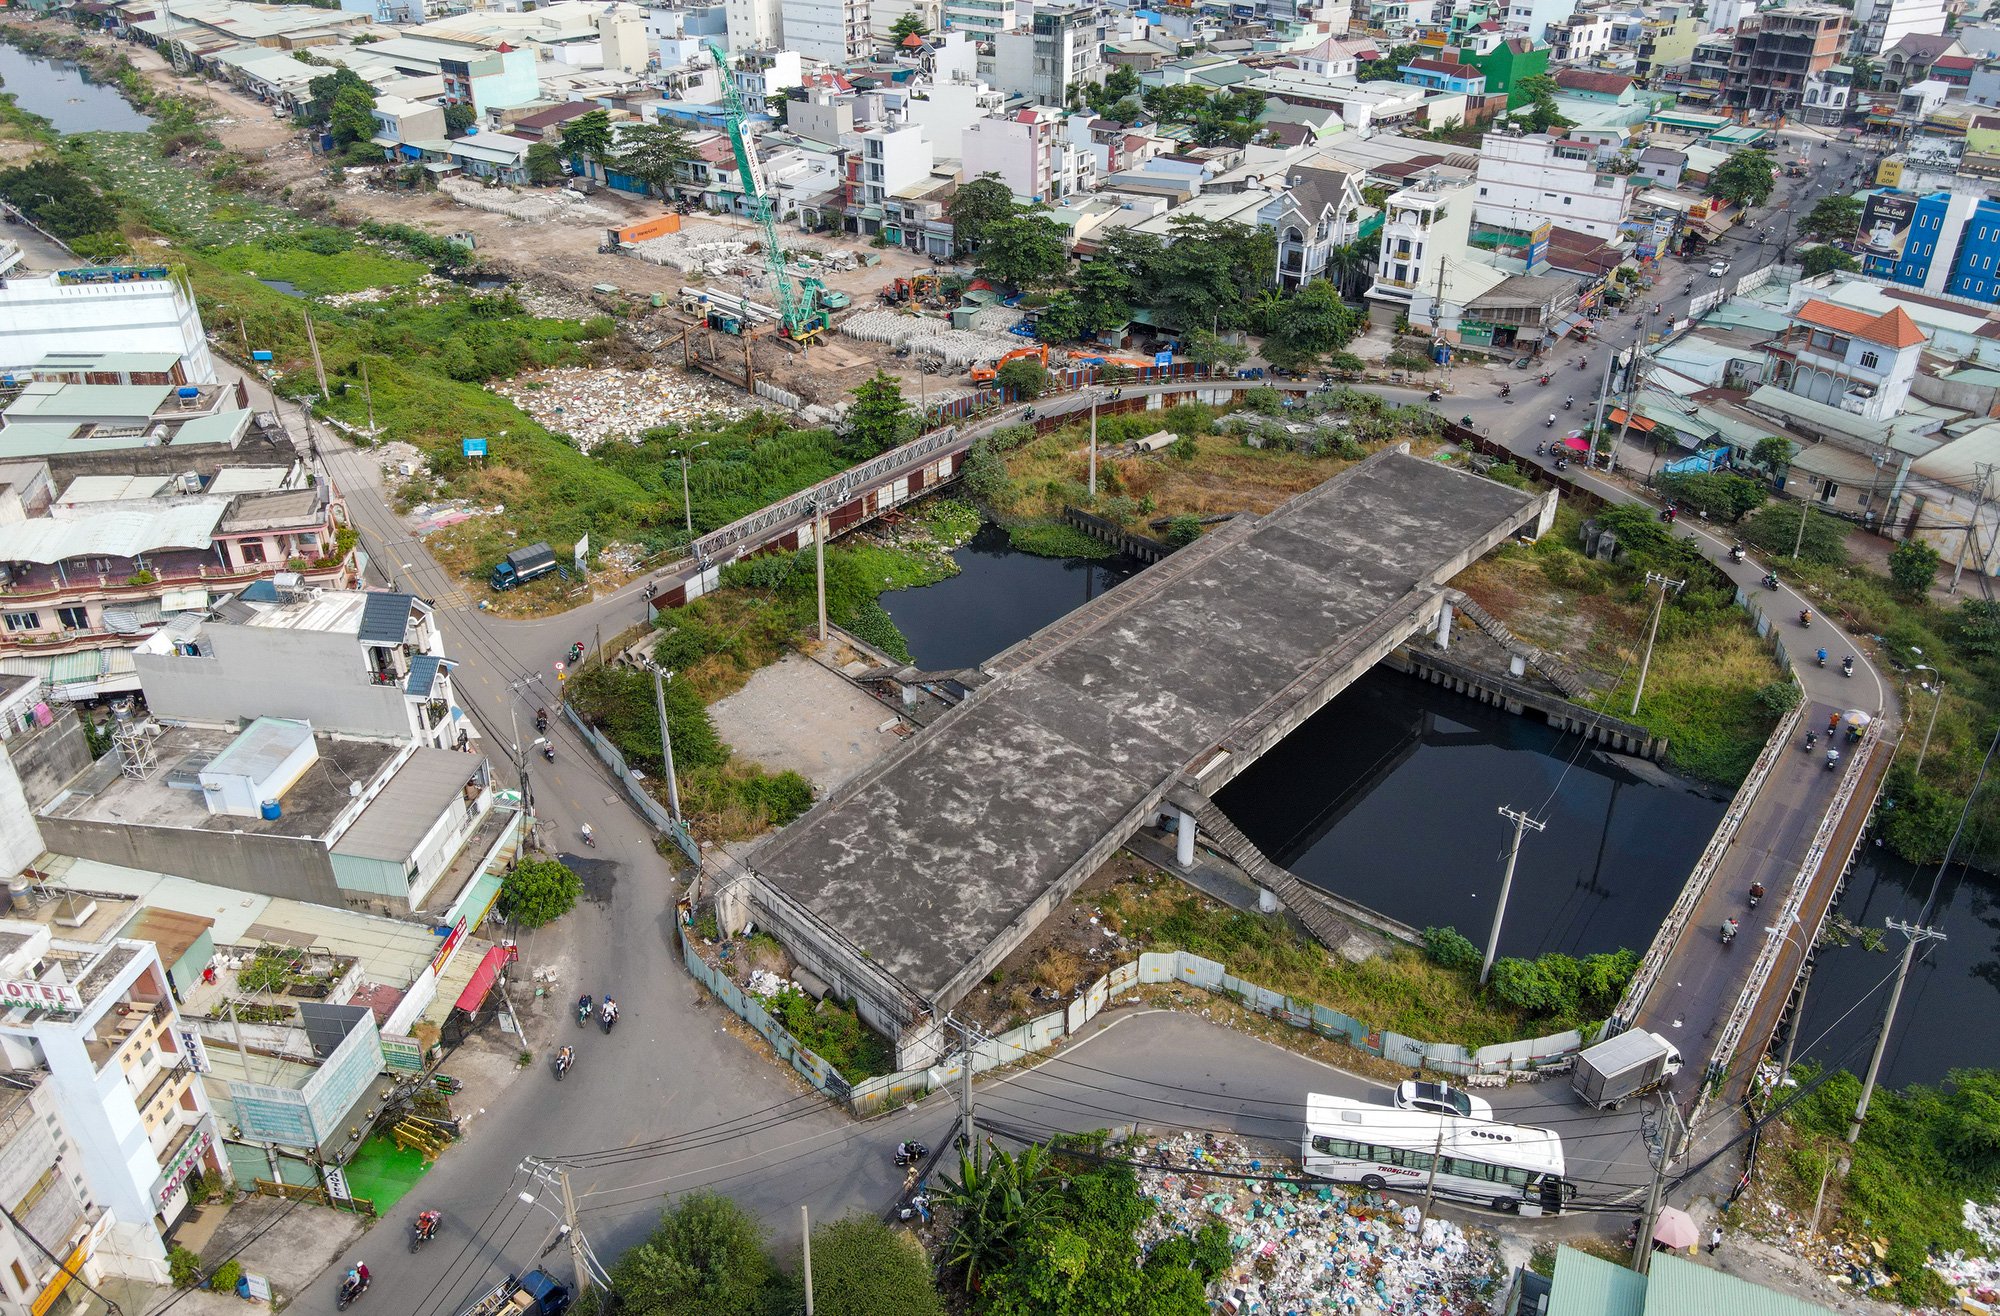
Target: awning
[
  {"x": 423, "y": 675},
  {"x": 442, "y": 167},
  {"x": 489, "y": 968},
  {"x": 184, "y": 600},
  {"x": 1564, "y": 323},
  {"x": 1638, "y": 422}
]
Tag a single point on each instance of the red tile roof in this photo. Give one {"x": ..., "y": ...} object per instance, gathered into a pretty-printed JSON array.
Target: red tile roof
[
  {"x": 1893, "y": 328},
  {"x": 1609, "y": 84}
]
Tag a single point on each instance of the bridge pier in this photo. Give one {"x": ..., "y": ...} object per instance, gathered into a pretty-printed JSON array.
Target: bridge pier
[
  {"x": 1184, "y": 832},
  {"x": 1444, "y": 626}
]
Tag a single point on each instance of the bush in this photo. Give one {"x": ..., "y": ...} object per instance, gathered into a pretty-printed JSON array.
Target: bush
[
  {"x": 1450, "y": 949},
  {"x": 1056, "y": 539},
  {"x": 705, "y": 1258},
  {"x": 226, "y": 1276},
  {"x": 183, "y": 1267},
  {"x": 1183, "y": 530},
  {"x": 1026, "y": 379},
  {"x": 539, "y": 891},
  {"x": 1775, "y": 527},
  {"x": 1913, "y": 566},
  {"x": 861, "y": 1267},
  {"x": 1778, "y": 698},
  {"x": 1724, "y": 496}
]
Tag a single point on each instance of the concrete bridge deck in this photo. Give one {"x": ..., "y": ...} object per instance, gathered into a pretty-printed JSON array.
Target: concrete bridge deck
[{"x": 906, "y": 886}]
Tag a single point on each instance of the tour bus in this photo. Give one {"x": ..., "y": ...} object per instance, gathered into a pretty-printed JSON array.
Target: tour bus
[{"x": 1508, "y": 1167}]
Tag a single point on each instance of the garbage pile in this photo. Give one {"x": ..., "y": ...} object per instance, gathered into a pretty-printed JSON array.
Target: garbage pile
[
  {"x": 954, "y": 349},
  {"x": 535, "y": 207},
  {"x": 1849, "y": 1260},
  {"x": 764, "y": 984},
  {"x": 1313, "y": 1249},
  {"x": 592, "y": 406},
  {"x": 1975, "y": 1277}
]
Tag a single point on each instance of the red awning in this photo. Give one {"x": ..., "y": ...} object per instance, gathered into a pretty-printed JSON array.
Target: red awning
[
  {"x": 1577, "y": 444},
  {"x": 475, "y": 991},
  {"x": 1638, "y": 422}
]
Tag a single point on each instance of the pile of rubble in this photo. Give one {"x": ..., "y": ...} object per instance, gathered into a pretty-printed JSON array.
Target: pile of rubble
[
  {"x": 536, "y": 207},
  {"x": 1976, "y": 1277},
  {"x": 764, "y": 984},
  {"x": 1302, "y": 1250},
  {"x": 927, "y": 340},
  {"x": 591, "y": 406},
  {"x": 697, "y": 249}
]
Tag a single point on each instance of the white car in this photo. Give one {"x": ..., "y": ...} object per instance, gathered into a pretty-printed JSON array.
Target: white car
[
  {"x": 1441, "y": 1099},
  {"x": 1718, "y": 269}
]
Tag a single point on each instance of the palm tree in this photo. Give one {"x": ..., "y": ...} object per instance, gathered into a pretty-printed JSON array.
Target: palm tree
[
  {"x": 994, "y": 1204},
  {"x": 1347, "y": 263}
]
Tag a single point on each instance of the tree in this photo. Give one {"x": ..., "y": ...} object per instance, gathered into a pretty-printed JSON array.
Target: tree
[
  {"x": 1721, "y": 494},
  {"x": 1773, "y": 453},
  {"x": 1350, "y": 264},
  {"x": 1208, "y": 272},
  {"x": 1390, "y": 67},
  {"x": 1913, "y": 566},
  {"x": 1314, "y": 322},
  {"x": 1206, "y": 349},
  {"x": 1824, "y": 259},
  {"x": 705, "y": 1258},
  {"x": 994, "y": 1200},
  {"x": 1023, "y": 252},
  {"x": 861, "y": 1267},
  {"x": 459, "y": 119},
  {"x": 539, "y": 891},
  {"x": 652, "y": 153},
  {"x": 1024, "y": 378},
  {"x": 909, "y": 25},
  {"x": 353, "y": 117},
  {"x": 1183, "y": 530},
  {"x": 976, "y": 207},
  {"x": 1105, "y": 98},
  {"x": 1836, "y": 217},
  {"x": 1775, "y": 528},
  {"x": 588, "y": 137},
  {"x": 59, "y": 197},
  {"x": 1541, "y": 114},
  {"x": 545, "y": 164},
  {"x": 322, "y": 90},
  {"x": 1744, "y": 179},
  {"x": 1451, "y": 949},
  {"x": 1864, "y": 72},
  {"x": 880, "y": 418}
]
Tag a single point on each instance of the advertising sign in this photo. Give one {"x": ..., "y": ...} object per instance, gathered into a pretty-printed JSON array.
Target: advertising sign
[
  {"x": 1163, "y": 358},
  {"x": 41, "y": 995},
  {"x": 474, "y": 447},
  {"x": 1885, "y": 226},
  {"x": 1538, "y": 247}
]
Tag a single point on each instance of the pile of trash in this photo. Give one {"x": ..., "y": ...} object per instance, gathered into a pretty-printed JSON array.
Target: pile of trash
[
  {"x": 594, "y": 405},
  {"x": 697, "y": 248},
  {"x": 1304, "y": 1250},
  {"x": 538, "y": 206},
  {"x": 1850, "y": 1260},
  {"x": 1975, "y": 1277},
  {"x": 764, "y": 984}
]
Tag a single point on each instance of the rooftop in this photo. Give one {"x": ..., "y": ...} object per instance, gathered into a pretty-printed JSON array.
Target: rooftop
[
  {"x": 397, "y": 820},
  {"x": 101, "y": 793},
  {"x": 115, "y": 532}
]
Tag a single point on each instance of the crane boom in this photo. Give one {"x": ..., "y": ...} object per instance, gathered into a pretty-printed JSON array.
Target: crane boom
[{"x": 796, "y": 306}]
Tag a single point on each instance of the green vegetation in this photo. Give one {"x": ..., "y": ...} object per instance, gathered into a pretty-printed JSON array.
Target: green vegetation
[
  {"x": 1218, "y": 118},
  {"x": 1923, "y": 1151},
  {"x": 320, "y": 262},
  {"x": 536, "y": 892},
  {"x": 1053, "y": 1231},
  {"x": 52, "y": 193},
  {"x": 1555, "y": 987},
  {"x": 1744, "y": 179},
  {"x": 18, "y": 125},
  {"x": 833, "y": 1032},
  {"x": 183, "y": 1267},
  {"x": 1056, "y": 539},
  {"x": 862, "y": 1267}
]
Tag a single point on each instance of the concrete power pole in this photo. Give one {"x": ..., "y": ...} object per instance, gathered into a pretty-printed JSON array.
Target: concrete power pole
[
  {"x": 1093, "y": 446},
  {"x": 1662, "y": 1157},
  {"x": 819, "y": 564},
  {"x": 1659, "y": 606},
  {"x": 1913, "y": 934},
  {"x": 666, "y": 739},
  {"x": 575, "y": 1236},
  {"x": 1522, "y": 822},
  {"x": 806, "y": 1241}
]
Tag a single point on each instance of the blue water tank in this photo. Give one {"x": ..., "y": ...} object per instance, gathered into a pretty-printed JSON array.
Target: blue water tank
[
  {"x": 187, "y": 391},
  {"x": 271, "y": 809}
]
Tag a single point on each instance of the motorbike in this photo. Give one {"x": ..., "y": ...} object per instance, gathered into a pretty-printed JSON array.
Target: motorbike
[
  {"x": 1583, "y": 363},
  {"x": 916, "y": 1207},
  {"x": 1736, "y": 553},
  {"x": 564, "y": 1059},
  {"x": 350, "y": 1289},
  {"x": 1847, "y": 665},
  {"x": 1756, "y": 893},
  {"x": 549, "y": 753},
  {"x": 576, "y": 653},
  {"x": 1770, "y": 580},
  {"x": 1728, "y": 931},
  {"x": 1543, "y": 380},
  {"x": 589, "y": 837},
  {"x": 608, "y": 1016},
  {"x": 1832, "y": 759},
  {"x": 1506, "y": 390},
  {"x": 1466, "y": 421},
  {"x": 424, "y": 1231},
  {"x": 1562, "y": 463},
  {"x": 1540, "y": 447},
  {"x": 1805, "y": 617},
  {"x": 1551, "y": 424},
  {"x": 1821, "y": 656},
  {"x": 584, "y": 1005},
  {"x": 541, "y": 724},
  {"x": 1569, "y": 403},
  {"x": 908, "y": 1153},
  {"x": 1435, "y": 394},
  {"x": 1812, "y": 738}
]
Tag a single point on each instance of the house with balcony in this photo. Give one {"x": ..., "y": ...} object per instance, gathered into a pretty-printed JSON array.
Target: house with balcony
[
  {"x": 42, "y": 1185},
  {"x": 1423, "y": 224},
  {"x": 99, "y": 1020},
  {"x": 1030, "y": 152},
  {"x": 1525, "y": 182},
  {"x": 1861, "y": 363},
  {"x": 1319, "y": 210}
]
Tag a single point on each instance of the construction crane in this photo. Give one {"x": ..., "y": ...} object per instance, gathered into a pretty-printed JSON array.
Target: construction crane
[{"x": 799, "y": 312}]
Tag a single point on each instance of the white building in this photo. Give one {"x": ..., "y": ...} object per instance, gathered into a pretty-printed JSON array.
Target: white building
[
  {"x": 41, "y": 1174},
  {"x": 764, "y": 75},
  {"x": 1425, "y": 223},
  {"x": 1320, "y": 209},
  {"x": 144, "y": 308},
  {"x": 944, "y": 110},
  {"x": 1055, "y": 50},
  {"x": 100, "y": 1018},
  {"x": 1032, "y": 155},
  {"x": 1864, "y": 364},
  {"x": 1880, "y": 24},
  {"x": 895, "y": 159},
  {"x": 621, "y": 38},
  {"x": 1581, "y": 37},
  {"x": 1525, "y": 182},
  {"x": 754, "y": 24},
  {"x": 981, "y": 19},
  {"x": 882, "y": 16},
  {"x": 831, "y": 31}
]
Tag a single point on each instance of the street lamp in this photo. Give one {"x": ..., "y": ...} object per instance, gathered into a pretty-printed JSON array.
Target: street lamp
[
  {"x": 1936, "y": 700},
  {"x": 687, "y": 505}
]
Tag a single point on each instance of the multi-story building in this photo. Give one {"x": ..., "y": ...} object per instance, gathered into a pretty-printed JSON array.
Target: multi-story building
[
  {"x": 1506, "y": 65},
  {"x": 1911, "y": 59},
  {"x": 830, "y": 31},
  {"x": 1945, "y": 241},
  {"x": 1057, "y": 50},
  {"x": 621, "y": 39},
  {"x": 1777, "y": 52},
  {"x": 1525, "y": 182},
  {"x": 1828, "y": 96},
  {"x": 1864, "y": 364},
  {"x": 502, "y": 77},
  {"x": 753, "y": 24},
  {"x": 1880, "y": 25},
  {"x": 1031, "y": 154},
  {"x": 1320, "y": 209},
  {"x": 99, "y": 1018},
  {"x": 1582, "y": 36},
  {"x": 894, "y": 160},
  {"x": 980, "y": 19},
  {"x": 42, "y": 1185},
  {"x": 1444, "y": 73},
  {"x": 146, "y": 309},
  {"x": 1666, "y": 40},
  {"x": 764, "y": 75},
  {"x": 1423, "y": 224}
]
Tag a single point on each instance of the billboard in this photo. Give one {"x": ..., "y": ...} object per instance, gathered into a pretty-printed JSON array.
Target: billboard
[{"x": 1885, "y": 225}]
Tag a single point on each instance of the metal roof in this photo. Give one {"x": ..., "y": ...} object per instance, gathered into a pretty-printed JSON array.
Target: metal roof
[
  {"x": 121, "y": 534},
  {"x": 423, "y": 675},
  {"x": 97, "y": 401},
  {"x": 1680, "y": 1287},
  {"x": 1590, "y": 1286},
  {"x": 262, "y": 748},
  {"x": 385, "y": 618},
  {"x": 397, "y": 820}
]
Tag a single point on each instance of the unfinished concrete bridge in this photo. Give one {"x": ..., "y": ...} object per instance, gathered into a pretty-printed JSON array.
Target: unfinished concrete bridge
[{"x": 911, "y": 882}]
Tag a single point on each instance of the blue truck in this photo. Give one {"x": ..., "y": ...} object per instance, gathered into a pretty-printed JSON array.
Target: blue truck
[
  {"x": 523, "y": 565},
  {"x": 536, "y": 1293}
]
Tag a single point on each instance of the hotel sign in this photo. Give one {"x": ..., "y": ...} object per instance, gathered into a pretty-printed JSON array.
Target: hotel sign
[{"x": 41, "y": 995}]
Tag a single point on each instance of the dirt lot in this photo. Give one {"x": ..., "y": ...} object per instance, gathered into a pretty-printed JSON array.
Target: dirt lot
[{"x": 796, "y": 714}]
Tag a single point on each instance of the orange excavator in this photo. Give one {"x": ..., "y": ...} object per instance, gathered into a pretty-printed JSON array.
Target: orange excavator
[{"x": 987, "y": 374}]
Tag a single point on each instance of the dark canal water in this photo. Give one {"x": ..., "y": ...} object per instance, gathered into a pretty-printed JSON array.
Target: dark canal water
[
  {"x": 1949, "y": 1016},
  {"x": 65, "y": 96},
  {"x": 1389, "y": 796},
  {"x": 1000, "y": 595}
]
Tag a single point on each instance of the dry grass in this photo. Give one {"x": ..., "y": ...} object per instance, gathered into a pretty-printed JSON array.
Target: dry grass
[{"x": 1224, "y": 475}]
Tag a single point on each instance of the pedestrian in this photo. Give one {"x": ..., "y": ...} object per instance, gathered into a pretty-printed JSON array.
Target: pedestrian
[{"x": 1714, "y": 1240}]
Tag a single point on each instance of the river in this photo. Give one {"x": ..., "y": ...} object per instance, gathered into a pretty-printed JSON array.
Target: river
[{"x": 64, "y": 94}]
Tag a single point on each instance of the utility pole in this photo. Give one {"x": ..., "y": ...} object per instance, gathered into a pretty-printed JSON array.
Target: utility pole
[
  {"x": 819, "y": 563},
  {"x": 1799, "y": 540},
  {"x": 1430, "y": 1187},
  {"x": 575, "y": 1236},
  {"x": 368, "y": 396},
  {"x": 319, "y": 366},
  {"x": 666, "y": 740},
  {"x": 965, "y": 1119},
  {"x": 687, "y": 503},
  {"x": 1913, "y": 934},
  {"x": 806, "y": 1241},
  {"x": 1659, "y": 606},
  {"x": 1522, "y": 822},
  {"x": 1937, "y": 699},
  {"x": 520, "y": 758},
  {"x": 1662, "y": 1156},
  {"x": 1601, "y": 417},
  {"x": 1093, "y": 447},
  {"x": 1631, "y": 397},
  {"x": 1985, "y": 471}
]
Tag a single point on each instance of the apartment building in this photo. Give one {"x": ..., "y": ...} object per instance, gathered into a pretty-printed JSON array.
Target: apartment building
[
  {"x": 1423, "y": 224},
  {"x": 1581, "y": 37},
  {"x": 753, "y": 24},
  {"x": 979, "y": 19},
  {"x": 1776, "y": 53},
  {"x": 146, "y": 309},
  {"x": 1666, "y": 40},
  {"x": 98, "y": 1018},
  {"x": 830, "y": 31},
  {"x": 42, "y": 1185},
  {"x": 1880, "y": 25},
  {"x": 764, "y": 75},
  {"x": 1056, "y": 50},
  {"x": 894, "y": 161},
  {"x": 1525, "y": 182},
  {"x": 1032, "y": 155}
]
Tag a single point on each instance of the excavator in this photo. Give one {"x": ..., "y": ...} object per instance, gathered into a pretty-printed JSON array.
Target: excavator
[{"x": 987, "y": 374}]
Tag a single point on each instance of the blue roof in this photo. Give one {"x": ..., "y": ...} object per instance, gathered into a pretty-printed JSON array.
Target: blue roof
[
  {"x": 385, "y": 618},
  {"x": 423, "y": 675},
  {"x": 259, "y": 591}
]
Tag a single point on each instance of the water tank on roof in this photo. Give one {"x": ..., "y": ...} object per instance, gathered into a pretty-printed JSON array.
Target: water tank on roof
[
  {"x": 272, "y": 810},
  {"x": 188, "y": 391}
]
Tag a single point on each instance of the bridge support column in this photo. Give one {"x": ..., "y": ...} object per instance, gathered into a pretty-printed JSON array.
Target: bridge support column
[
  {"x": 1444, "y": 626},
  {"x": 1184, "y": 831},
  {"x": 1267, "y": 902}
]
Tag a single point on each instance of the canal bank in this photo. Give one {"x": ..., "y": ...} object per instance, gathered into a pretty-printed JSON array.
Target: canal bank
[{"x": 66, "y": 94}]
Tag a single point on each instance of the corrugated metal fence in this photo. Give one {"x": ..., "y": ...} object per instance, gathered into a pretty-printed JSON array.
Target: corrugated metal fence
[{"x": 648, "y": 807}]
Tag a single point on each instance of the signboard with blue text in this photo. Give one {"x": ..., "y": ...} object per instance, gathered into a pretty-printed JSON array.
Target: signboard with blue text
[{"x": 1163, "y": 358}]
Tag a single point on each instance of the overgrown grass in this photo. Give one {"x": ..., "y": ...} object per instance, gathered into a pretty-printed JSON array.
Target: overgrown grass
[
  {"x": 1402, "y": 991},
  {"x": 1056, "y": 539},
  {"x": 320, "y": 274},
  {"x": 835, "y": 1033},
  {"x": 18, "y": 125}
]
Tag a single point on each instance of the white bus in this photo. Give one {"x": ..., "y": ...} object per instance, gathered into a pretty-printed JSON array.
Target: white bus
[{"x": 1508, "y": 1167}]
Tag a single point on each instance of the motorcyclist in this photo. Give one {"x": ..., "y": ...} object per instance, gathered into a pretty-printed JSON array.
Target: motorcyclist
[
  {"x": 1756, "y": 892},
  {"x": 565, "y": 1058},
  {"x": 357, "y": 1276},
  {"x": 1847, "y": 665},
  {"x": 910, "y": 1151},
  {"x": 1569, "y": 402},
  {"x": 427, "y": 1222},
  {"x": 1821, "y": 655},
  {"x": 1728, "y": 930},
  {"x": 610, "y": 1012},
  {"x": 1552, "y": 421},
  {"x": 1805, "y": 616},
  {"x": 589, "y": 837},
  {"x": 583, "y": 1006}
]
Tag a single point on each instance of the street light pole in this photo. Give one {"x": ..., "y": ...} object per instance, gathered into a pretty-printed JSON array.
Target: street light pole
[
  {"x": 1937, "y": 699},
  {"x": 660, "y": 679}
]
